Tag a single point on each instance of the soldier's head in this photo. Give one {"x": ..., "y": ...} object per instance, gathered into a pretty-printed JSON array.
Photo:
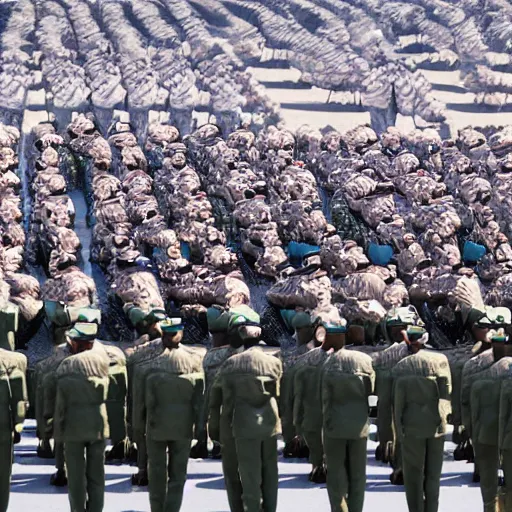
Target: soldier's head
[
  {"x": 492, "y": 329},
  {"x": 177, "y": 153},
  {"x": 172, "y": 332},
  {"x": 303, "y": 327},
  {"x": 416, "y": 338},
  {"x": 244, "y": 327},
  {"x": 218, "y": 320},
  {"x": 81, "y": 336},
  {"x": 146, "y": 323},
  {"x": 127, "y": 258},
  {"x": 331, "y": 334},
  {"x": 398, "y": 320}
]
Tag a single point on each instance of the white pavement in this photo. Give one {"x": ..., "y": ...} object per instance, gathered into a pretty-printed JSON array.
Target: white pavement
[{"x": 204, "y": 491}]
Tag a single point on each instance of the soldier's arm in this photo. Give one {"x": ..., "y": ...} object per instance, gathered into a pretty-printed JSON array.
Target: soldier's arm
[
  {"x": 465, "y": 400},
  {"x": 298, "y": 398},
  {"x": 214, "y": 406},
  {"x": 49, "y": 390},
  {"x": 139, "y": 401},
  {"x": 18, "y": 384},
  {"x": 326, "y": 396},
  {"x": 228, "y": 398},
  {"x": 399, "y": 396},
  {"x": 199, "y": 406}
]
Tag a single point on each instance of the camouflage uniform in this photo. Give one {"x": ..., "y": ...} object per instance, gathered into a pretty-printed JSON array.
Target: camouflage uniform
[{"x": 13, "y": 368}]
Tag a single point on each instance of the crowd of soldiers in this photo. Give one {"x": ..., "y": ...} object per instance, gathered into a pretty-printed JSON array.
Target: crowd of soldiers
[{"x": 369, "y": 249}]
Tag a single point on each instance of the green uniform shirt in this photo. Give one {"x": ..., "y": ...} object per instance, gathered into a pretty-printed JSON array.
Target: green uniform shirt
[
  {"x": 168, "y": 398},
  {"x": 13, "y": 393},
  {"x": 422, "y": 393},
  {"x": 348, "y": 380},
  {"x": 250, "y": 389}
]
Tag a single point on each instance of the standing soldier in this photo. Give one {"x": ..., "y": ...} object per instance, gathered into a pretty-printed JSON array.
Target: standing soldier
[
  {"x": 147, "y": 347},
  {"x": 168, "y": 403},
  {"x": 307, "y": 404},
  {"x": 394, "y": 324},
  {"x": 13, "y": 398},
  {"x": 80, "y": 419},
  {"x": 348, "y": 380},
  {"x": 304, "y": 335},
  {"x": 219, "y": 419},
  {"x": 8, "y": 318},
  {"x": 421, "y": 407},
  {"x": 250, "y": 391}
]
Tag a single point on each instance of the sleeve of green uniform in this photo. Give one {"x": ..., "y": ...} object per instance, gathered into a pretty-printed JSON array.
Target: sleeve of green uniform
[
  {"x": 59, "y": 412},
  {"x": 505, "y": 413},
  {"x": 18, "y": 385},
  {"x": 399, "y": 397},
  {"x": 199, "y": 405},
  {"x": 214, "y": 406},
  {"x": 50, "y": 396},
  {"x": 465, "y": 401},
  {"x": 139, "y": 402},
  {"x": 228, "y": 398},
  {"x": 444, "y": 386},
  {"x": 298, "y": 400},
  {"x": 326, "y": 397}
]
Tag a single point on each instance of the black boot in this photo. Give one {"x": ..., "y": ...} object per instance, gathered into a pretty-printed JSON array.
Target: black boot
[
  {"x": 476, "y": 477},
  {"x": 397, "y": 477},
  {"x": 131, "y": 455},
  {"x": 319, "y": 475},
  {"x": 140, "y": 479},
  {"x": 378, "y": 453},
  {"x": 59, "y": 479},
  {"x": 199, "y": 451},
  {"x": 44, "y": 449},
  {"x": 216, "y": 451},
  {"x": 117, "y": 453}
]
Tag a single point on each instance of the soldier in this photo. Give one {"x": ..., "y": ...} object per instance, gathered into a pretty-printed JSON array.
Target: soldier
[
  {"x": 147, "y": 347},
  {"x": 167, "y": 405},
  {"x": 307, "y": 406},
  {"x": 13, "y": 399},
  {"x": 490, "y": 414},
  {"x": 396, "y": 321},
  {"x": 348, "y": 380},
  {"x": 302, "y": 324},
  {"x": 226, "y": 344},
  {"x": 80, "y": 392},
  {"x": 250, "y": 389},
  {"x": 421, "y": 406},
  {"x": 8, "y": 318}
]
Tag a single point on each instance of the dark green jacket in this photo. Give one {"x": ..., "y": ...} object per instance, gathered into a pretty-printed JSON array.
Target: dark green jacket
[
  {"x": 250, "y": 392},
  {"x": 348, "y": 380},
  {"x": 13, "y": 393},
  {"x": 422, "y": 395},
  {"x": 168, "y": 397}
]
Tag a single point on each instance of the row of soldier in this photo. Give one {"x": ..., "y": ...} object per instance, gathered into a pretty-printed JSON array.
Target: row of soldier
[{"x": 239, "y": 398}]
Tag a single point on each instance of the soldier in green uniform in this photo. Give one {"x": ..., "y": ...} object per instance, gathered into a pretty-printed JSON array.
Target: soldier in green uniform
[
  {"x": 13, "y": 400},
  {"x": 394, "y": 324},
  {"x": 303, "y": 326},
  {"x": 307, "y": 405},
  {"x": 489, "y": 414},
  {"x": 250, "y": 391},
  {"x": 80, "y": 419},
  {"x": 348, "y": 380},
  {"x": 219, "y": 419},
  {"x": 9, "y": 314},
  {"x": 146, "y": 348},
  {"x": 421, "y": 406},
  {"x": 168, "y": 402}
]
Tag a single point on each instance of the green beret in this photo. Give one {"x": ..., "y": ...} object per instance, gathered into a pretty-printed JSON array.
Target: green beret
[
  {"x": 415, "y": 332},
  {"x": 137, "y": 316},
  {"x": 242, "y": 315},
  {"x": 301, "y": 320},
  {"x": 173, "y": 324},
  {"x": 155, "y": 316},
  {"x": 82, "y": 331},
  {"x": 84, "y": 315},
  {"x": 335, "y": 328},
  {"x": 218, "y": 319}
]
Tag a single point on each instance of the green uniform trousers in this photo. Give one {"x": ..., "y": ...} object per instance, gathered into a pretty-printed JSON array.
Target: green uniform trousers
[
  {"x": 85, "y": 462},
  {"x": 60, "y": 463},
  {"x": 5, "y": 474},
  {"x": 142, "y": 451},
  {"x": 167, "y": 465},
  {"x": 488, "y": 464},
  {"x": 231, "y": 475},
  {"x": 346, "y": 473},
  {"x": 422, "y": 463},
  {"x": 313, "y": 439},
  {"x": 257, "y": 465}
]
